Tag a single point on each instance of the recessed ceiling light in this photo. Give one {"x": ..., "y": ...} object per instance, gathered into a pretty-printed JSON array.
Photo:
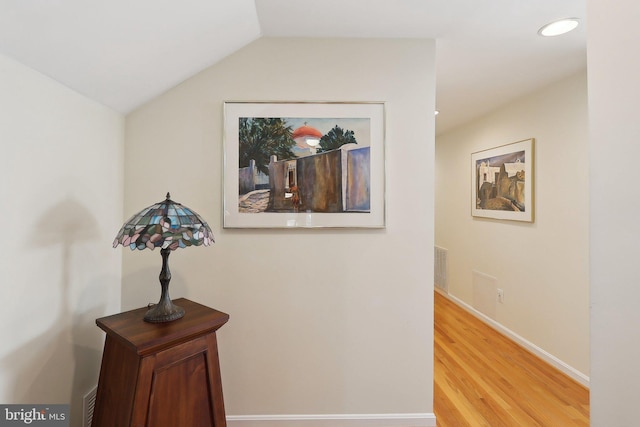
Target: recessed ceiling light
[
  {"x": 559, "y": 27},
  {"x": 437, "y": 112}
]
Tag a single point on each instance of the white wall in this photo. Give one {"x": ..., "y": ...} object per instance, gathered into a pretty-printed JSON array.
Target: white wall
[
  {"x": 349, "y": 332},
  {"x": 61, "y": 203},
  {"x": 614, "y": 90},
  {"x": 543, "y": 267}
]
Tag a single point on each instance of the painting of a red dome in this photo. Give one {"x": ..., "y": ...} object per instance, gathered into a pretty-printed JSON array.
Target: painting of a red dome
[
  {"x": 306, "y": 131},
  {"x": 304, "y": 164}
]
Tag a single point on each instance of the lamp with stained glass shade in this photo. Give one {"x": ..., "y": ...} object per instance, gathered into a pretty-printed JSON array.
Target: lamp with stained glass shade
[{"x": 167, "y": 225}]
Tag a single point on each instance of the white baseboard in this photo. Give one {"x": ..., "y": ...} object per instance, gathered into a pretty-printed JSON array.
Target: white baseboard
[
  {"x": 542, "y": 354},
  {"x": 340, "y": 420}
]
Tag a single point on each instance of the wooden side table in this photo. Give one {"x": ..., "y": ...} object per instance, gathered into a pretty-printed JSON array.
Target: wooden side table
[{"x": 161, "y": 374}]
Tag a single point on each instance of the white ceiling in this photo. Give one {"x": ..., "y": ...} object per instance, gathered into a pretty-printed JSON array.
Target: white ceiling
[{"x": 123, "y": 53}]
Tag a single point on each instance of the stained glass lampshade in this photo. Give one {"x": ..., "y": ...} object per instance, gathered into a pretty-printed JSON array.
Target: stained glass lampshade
[{"x": 167, "y": 225}]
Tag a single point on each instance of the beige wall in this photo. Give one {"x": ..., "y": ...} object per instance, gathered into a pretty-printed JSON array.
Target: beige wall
[
  {"x": 61, "y": 202},
  {"x": 542, "y": 267},
  {"x": 322, "y": 321},
  {"x": 614, "y": 90}
]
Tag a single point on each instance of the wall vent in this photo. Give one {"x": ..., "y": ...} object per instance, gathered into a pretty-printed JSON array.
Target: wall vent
[
  {"x": 88, "y": 405},
  {"x": 484, "y": 293},
  {"x": 440, "y": 269}
]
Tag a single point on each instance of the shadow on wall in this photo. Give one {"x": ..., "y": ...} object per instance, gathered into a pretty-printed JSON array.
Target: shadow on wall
[{"x": 62, "y": 364}]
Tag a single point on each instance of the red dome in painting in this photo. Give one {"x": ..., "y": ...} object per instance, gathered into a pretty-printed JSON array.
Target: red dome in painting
[{"x": 306, "y": 131}]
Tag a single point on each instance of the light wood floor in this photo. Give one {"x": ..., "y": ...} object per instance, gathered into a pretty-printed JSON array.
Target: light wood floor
[{"x": 484, "y": 379}]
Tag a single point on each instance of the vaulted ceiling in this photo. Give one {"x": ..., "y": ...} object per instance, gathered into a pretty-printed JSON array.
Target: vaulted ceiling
[{"x": 122, "y": 53}]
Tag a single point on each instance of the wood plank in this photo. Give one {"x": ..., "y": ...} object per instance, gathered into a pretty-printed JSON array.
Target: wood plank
[{"x": 482, "y": 378}]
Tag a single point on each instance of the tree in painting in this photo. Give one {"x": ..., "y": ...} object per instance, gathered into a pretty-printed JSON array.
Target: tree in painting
[
  {"x": 336, "y": 138},
  {"x": 260, "y": 138}
]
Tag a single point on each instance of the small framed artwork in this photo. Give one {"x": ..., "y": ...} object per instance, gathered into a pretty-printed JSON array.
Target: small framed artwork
[
  {"x": 304, "y": 165},
  {"x": 502, "y": 182}
]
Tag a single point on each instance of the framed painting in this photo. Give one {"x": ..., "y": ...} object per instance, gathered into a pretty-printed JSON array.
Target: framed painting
[
  {"x": 502, "y": 182},
  {"x": 304, "y": 165}
]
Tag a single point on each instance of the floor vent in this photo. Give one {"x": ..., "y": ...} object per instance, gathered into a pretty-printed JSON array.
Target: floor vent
[
  {"x": 440, "y": 269},
  {"x": 88, "y": 405}
]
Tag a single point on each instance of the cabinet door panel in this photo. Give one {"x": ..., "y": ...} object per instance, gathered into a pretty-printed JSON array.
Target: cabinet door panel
[{"x": 180, "y": 394}]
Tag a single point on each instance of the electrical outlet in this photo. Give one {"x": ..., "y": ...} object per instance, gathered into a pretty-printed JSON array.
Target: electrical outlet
[{"x": 501, "y": 296}]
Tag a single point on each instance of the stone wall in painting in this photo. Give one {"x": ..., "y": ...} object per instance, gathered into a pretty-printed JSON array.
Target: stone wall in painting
[{"x": 332, "y": 182}]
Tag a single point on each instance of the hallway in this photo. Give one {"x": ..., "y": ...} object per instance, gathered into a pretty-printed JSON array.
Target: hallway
[{"x": 482, "y": 378}]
